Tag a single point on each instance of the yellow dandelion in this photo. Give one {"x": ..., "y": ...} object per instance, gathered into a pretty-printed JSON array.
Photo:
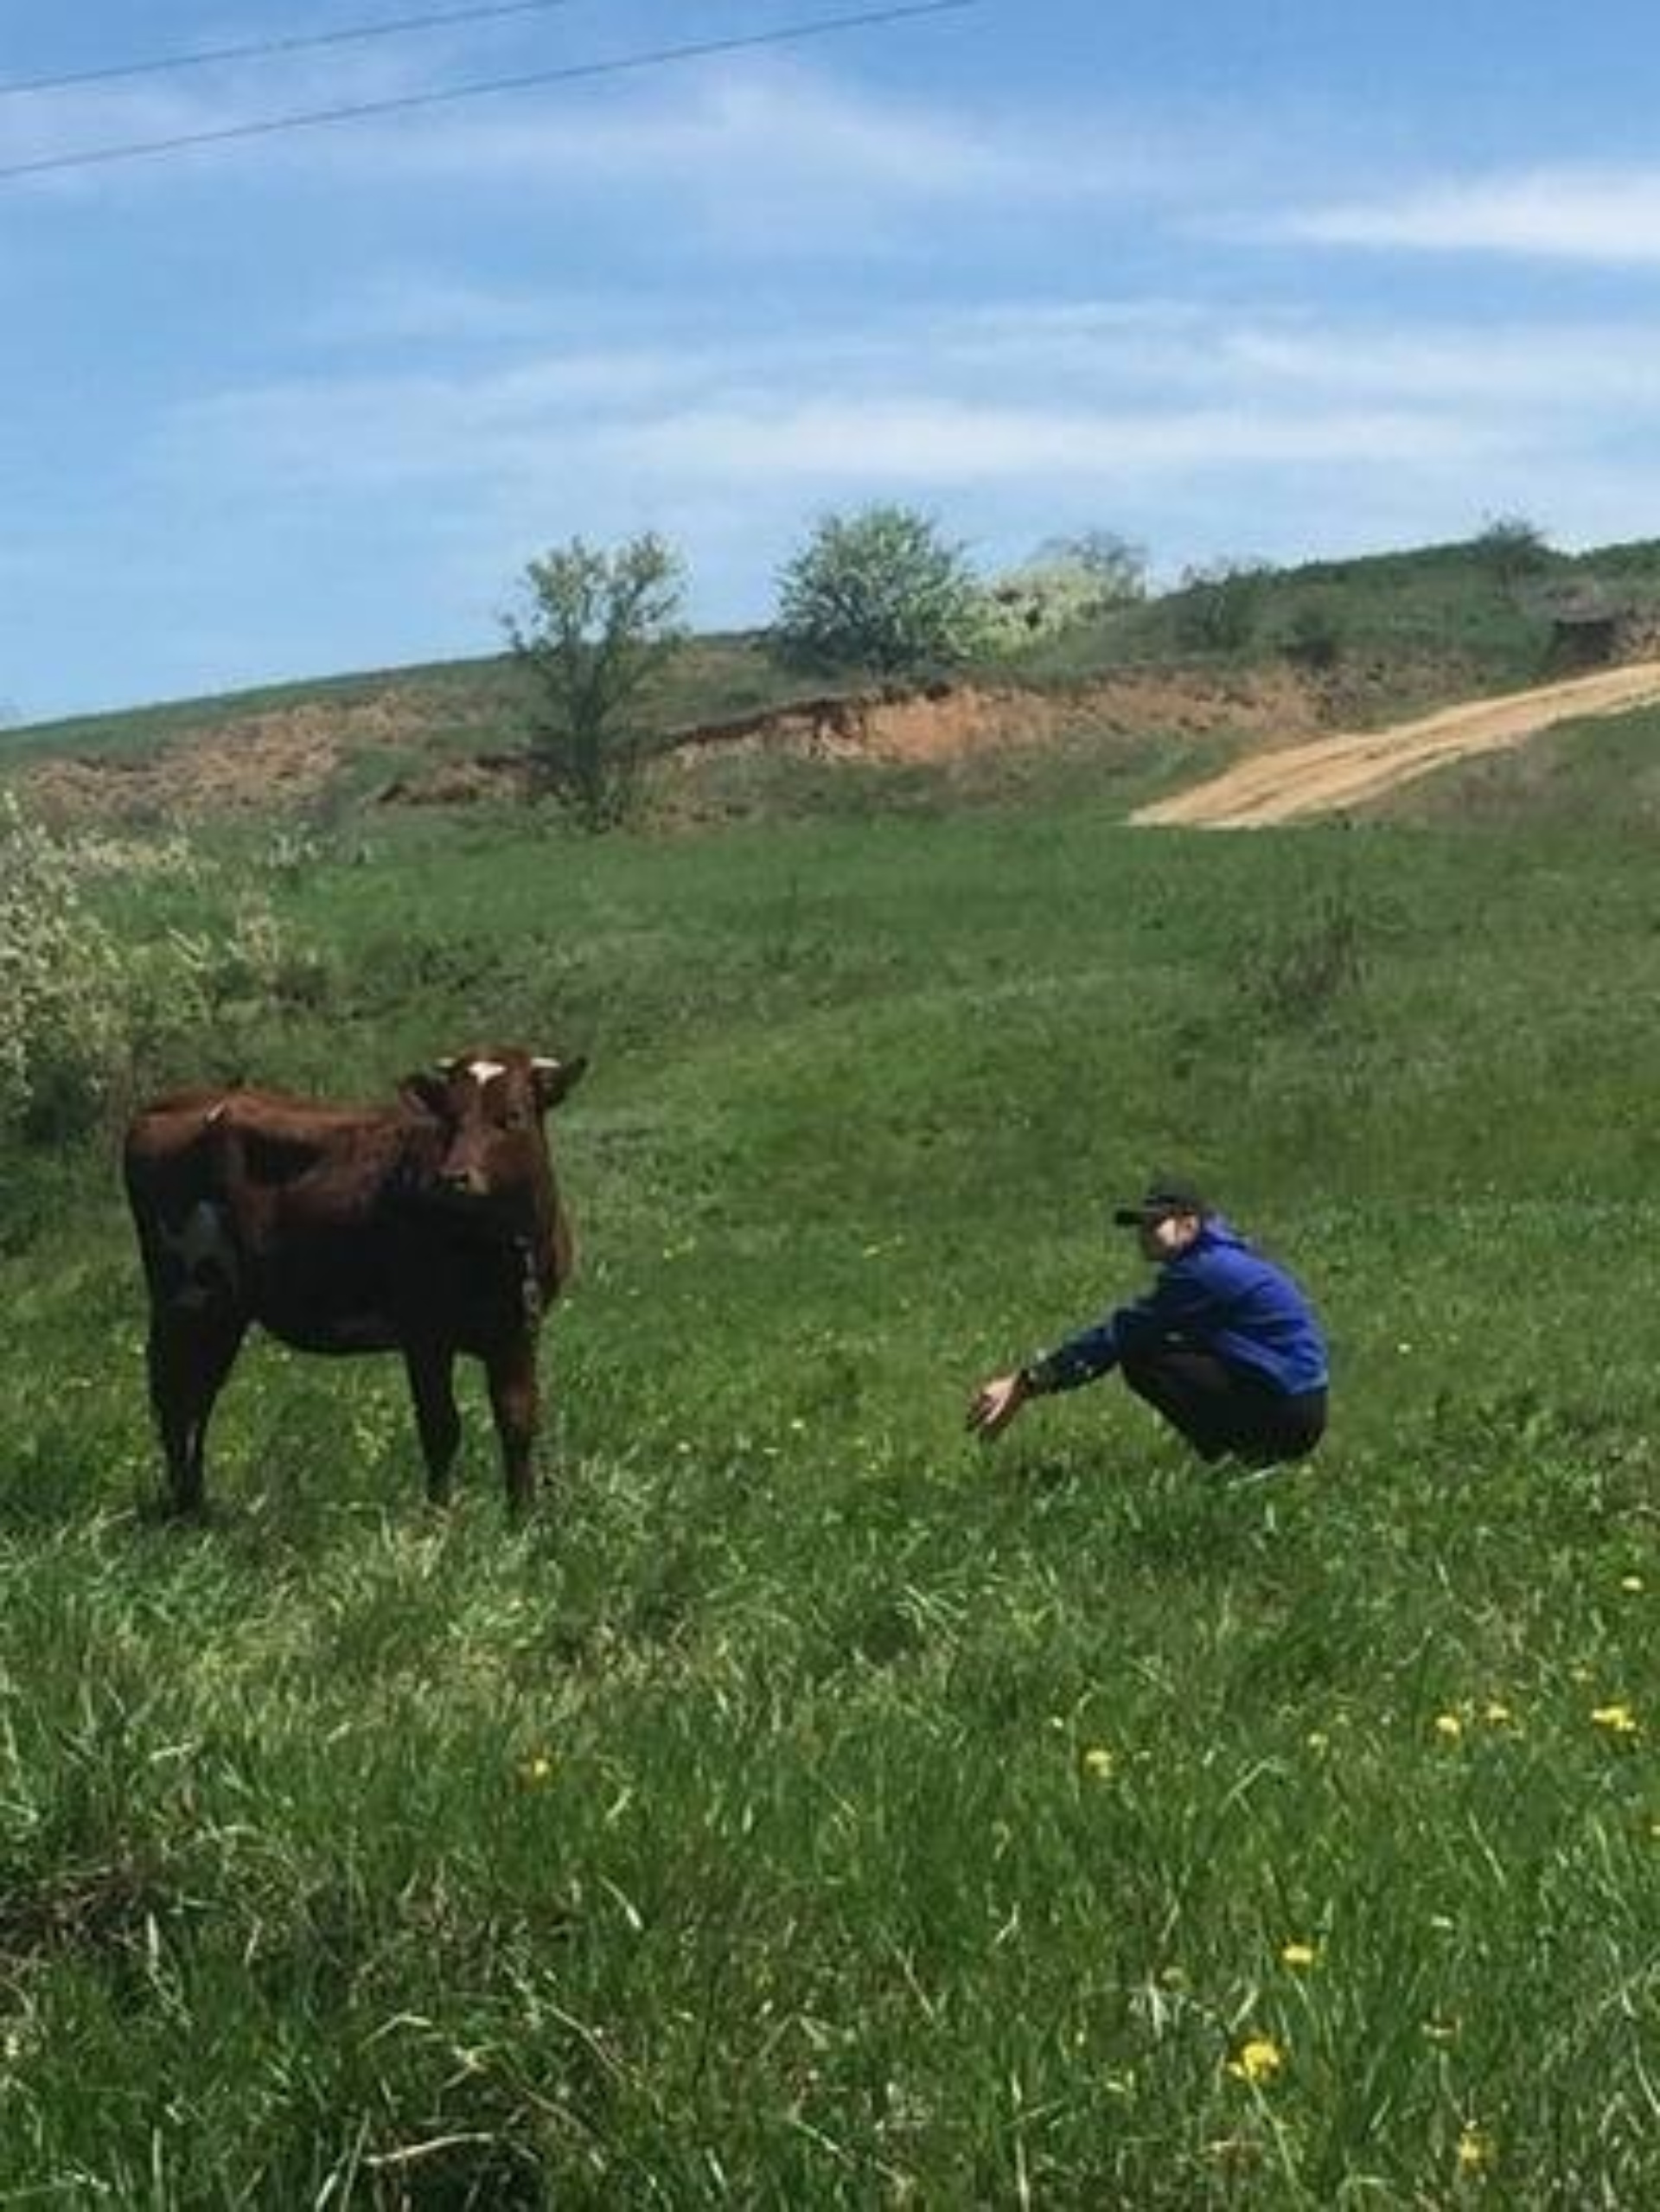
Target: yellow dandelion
[
  {"x": 1632, "y": 1583},
  {"x": 1475, "y": 2151},
  {"x": 1298, "y": 1954},
  {"x": 1618, "y": 1718},
  {"x": 536, "y": 1771},
  {"x": 1258, "y": 2060},
  {"x": 1099, "y": 1762},
  {"x": 1449, "y": 1726}
]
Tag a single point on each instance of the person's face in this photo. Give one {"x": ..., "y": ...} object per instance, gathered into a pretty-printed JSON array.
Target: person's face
[{"x": 1165, "y": 1234}]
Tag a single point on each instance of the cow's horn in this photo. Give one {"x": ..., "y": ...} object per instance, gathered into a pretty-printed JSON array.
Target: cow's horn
[{"x": 543, "y": 1065}]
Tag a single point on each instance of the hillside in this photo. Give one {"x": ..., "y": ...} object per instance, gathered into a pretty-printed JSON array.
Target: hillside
[{"x": 1129, "y": 703}]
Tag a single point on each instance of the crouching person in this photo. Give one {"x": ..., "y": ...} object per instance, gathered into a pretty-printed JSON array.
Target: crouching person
[{"x": 1225, "y": 1345}]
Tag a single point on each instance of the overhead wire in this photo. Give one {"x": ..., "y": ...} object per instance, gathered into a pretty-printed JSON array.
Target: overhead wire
[
  {"x": 402, "y": 103},
  {"x": 259, "y": 49}
]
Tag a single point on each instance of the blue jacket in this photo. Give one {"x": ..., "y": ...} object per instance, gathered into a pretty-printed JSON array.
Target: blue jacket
[{"x": 1218, "y": 1296}]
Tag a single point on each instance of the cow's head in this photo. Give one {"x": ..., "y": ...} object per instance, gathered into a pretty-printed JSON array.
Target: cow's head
[{"x": 490, "y": 1107}]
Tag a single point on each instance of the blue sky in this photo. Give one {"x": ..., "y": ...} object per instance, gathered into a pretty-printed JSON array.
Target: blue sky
[{"x": 1276, "y": 280}]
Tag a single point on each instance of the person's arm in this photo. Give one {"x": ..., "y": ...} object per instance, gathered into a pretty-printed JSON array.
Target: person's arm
[{"x": 1179, "y": 1301}]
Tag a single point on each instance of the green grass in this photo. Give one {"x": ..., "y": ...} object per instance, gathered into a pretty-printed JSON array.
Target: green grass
[
  {"x": 1598, "y": 778},
  {"x": 738, "y": 1834}
]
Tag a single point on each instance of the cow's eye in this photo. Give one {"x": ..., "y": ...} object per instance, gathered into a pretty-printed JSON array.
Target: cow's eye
[{"x": 516, "y": 1118}]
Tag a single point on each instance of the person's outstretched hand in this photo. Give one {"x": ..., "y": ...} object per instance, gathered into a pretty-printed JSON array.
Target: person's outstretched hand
[{"x": 994, "y": 1404}]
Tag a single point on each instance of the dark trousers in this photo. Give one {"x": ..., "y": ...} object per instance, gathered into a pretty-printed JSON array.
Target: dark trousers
[{"x": 1223, "y": 1412}]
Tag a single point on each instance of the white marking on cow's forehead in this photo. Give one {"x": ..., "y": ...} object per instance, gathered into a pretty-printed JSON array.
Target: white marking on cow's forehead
[{"x": 485, "y": 1071}]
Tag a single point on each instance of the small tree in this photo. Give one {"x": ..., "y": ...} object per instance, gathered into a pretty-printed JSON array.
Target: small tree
[
  {"x": 595, "y": 628},
  {"x": 880, "y": 590},
  {"x": 1221, "y": 604},
  {"x": 1115, "y": 568},
  {"x": 1513, "y": 548}
]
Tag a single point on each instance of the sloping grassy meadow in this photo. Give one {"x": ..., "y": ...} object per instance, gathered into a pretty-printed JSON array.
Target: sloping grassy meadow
[{"x": 814, "y": 1808}]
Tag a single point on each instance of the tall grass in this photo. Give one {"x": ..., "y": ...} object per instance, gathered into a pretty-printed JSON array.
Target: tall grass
[{"x": 812, "y": 1808}]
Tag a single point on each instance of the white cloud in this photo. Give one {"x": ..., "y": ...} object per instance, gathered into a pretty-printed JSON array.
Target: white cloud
[
  {"x": 1603, "y": 215},
  {"x": 929, "y": 405},
  {"x": 915, "y": 440},
  {"x": 751, "y": 136}
]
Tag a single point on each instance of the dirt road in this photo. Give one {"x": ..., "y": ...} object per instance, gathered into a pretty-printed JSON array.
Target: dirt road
[{"x": 1327, "y": 774}]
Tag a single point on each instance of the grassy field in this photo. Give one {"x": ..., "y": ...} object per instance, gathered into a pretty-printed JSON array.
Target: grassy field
[{"x": 812, "y": 1808}]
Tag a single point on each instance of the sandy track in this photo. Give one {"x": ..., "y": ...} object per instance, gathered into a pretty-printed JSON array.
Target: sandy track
[{"x": 1325, "y": 775}]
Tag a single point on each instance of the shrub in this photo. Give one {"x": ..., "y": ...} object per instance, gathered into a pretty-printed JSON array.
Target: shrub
[
  {"x": 597, "y": 628},
  {"x": 1221, "y": 606},
  {"x": 62, "y": 1018},
  {"x": 879, "y": 589},
  {"x": 86, "y": 1016},
  {"x": 1514, "y": 549},
  {"x": 1313, "y": 635}
]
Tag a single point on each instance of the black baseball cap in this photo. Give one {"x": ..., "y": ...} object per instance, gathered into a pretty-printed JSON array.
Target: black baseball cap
[{"x": 1159, "y": 1202}]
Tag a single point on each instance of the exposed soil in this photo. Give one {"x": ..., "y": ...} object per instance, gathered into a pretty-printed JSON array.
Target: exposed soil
[
  {"x": 286, "y": 760},
  {"x": 1329, "y": 775},
  {"x": 251, "y": 763},
  {"x": 285, "y": 757}
]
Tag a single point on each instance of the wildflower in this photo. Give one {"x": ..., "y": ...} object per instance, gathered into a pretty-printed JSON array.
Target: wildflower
[
  {"x": 1259, "y": 2059},
  {"x": 1440, "y": 2031},
  {"x": 1298, "y": 1954},
  {"x": 1631, "y": 1584},
  {"x": 1495, "y": 1712},
  {"x": 1317, "y": 1739},
  {"x": 1618, "y": 1718},
  {"x": 1449, "y": 1726},
  {"x": 536, "y": 1770},
  {"x": 1098, "y": 1760},
  {"x": 1475, "y": 2150}
]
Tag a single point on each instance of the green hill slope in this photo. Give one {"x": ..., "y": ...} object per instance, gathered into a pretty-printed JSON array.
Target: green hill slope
[
  {"x": 1385, "y": 635},
  {"x": 813, "y": 1809}
]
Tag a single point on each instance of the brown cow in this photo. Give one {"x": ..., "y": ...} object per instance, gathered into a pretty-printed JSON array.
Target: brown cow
[{"x": 432, "y": 1226}]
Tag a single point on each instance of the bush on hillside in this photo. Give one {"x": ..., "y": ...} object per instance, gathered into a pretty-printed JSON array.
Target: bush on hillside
[
  {"x": 1116, "y": 567},
  {"x": 880, "y": 590},
  {"x": 1313, "y": 636},
  {"x": 597, "y": 628},
  {"x": 1069, "y": 582},
  {"x": 62, "y": 1003},
  {"x": 89, "y": 1017},
  {"x": 1514, "y": 549},
  {"x": 1220, "y": 605}
]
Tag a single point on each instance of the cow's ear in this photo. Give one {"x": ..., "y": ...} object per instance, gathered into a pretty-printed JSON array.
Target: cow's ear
[
  {"x": 554, "y": 1079},
  {"x": 426, "y": 1090}
]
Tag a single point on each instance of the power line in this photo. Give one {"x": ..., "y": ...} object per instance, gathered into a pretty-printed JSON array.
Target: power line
[
  {"x": 785, "y": 33},
  {"x": 257, "y": 50}
]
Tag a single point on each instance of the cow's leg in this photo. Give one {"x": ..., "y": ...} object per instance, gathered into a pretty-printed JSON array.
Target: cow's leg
[
  {"x": 512, "y": 1373},
  {"x": 431, "y": 1369},
  {"x": 190, "y": 1355}
]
